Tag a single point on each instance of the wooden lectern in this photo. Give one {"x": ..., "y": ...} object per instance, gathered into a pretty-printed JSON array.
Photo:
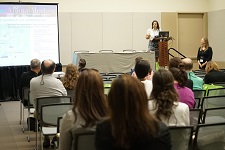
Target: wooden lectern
[{"x": 163, "y": 51}]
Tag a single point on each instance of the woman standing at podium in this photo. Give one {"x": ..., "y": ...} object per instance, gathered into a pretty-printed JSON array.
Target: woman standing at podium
[
  {"x": 204, "y": 53},
  {"x": 150, "y": 35}
]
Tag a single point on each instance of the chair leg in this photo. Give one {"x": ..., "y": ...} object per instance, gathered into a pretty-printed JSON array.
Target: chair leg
[
  {"x": 28, "y": 125},
  {"x": 36, "y": 135},
  {"x": 23, "y": 120},
  {"x": 20, "y": 111}
]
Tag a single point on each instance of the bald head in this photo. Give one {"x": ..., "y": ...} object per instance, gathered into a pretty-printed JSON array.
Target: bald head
[
  {"x": 47, "y": 66},
  {"x": 188, "y": 64}
]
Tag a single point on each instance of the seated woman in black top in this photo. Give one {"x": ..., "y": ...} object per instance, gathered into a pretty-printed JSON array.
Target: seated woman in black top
[
  {"x": 130, "y": 125},
  {"x": 213, "y": 74}
]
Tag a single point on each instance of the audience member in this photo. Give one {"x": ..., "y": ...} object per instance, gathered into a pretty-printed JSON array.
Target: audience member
[
  {"x": 142, "y": 70},
  {"x": 197, "y": 81},
  {"x": 81, "y": 65},
  {"x": 186, "y": 95},
  {"x": 149, "y": 77},
  {"x": 35, "y": 66},
  {"x": 130, "y": 125},
  {"x": 46, "y": 85},
  {"x": 89, "y": 107},
  {"x": 70, "y": 77},
  {"x": 213, "y": 74},
  {"x": 177, "y": 63},
  {"x": 164, "y": 103},
  {"x": 205, "y": 53}
]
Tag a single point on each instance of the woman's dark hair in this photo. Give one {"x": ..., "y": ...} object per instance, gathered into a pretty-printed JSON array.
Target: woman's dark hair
[
  {"x": 156, "y": 23},
  {"x": 128, "y": 110},
  {"x": 89, "y": 99},
  {"x": 163, "y": 93},
  {"x": 180, "y": 75}
]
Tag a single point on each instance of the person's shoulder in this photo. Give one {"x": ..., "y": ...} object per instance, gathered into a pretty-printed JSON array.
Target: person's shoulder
[{"x": 181, "y": 106}]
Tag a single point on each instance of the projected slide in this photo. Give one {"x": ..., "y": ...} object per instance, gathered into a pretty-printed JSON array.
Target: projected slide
[{"x": 28, "y": 31}]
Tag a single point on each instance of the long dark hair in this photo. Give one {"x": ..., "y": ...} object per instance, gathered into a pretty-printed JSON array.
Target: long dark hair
[
  {"x": 129, "y": 115},
  {"x": 89, "y": 98},
  {"x": 163, "y": 93}
]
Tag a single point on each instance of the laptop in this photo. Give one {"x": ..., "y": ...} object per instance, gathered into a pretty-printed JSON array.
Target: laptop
[{"x": 164, "y": 34}]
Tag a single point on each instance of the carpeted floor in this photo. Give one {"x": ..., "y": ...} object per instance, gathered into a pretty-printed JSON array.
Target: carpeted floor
[{"x": 11, "y": 135}]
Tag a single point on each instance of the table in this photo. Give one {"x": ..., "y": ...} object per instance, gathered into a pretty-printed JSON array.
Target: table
[{"x": 113, "y": 62}]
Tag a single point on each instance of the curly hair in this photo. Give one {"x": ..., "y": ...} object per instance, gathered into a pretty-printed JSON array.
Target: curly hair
[
  {"x": 70, "y": 77},
  {"x": 163, "y": 93}
]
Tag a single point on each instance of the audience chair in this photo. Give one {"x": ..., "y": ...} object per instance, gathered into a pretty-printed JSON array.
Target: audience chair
[
  {"x": 212, "y": 102},
  {"x": 24, "y": 104},
  {"x": 214, "y": 115},
  {"x": 117, "y": 74},
  {"x": 70, "y": 93},
  {"x": 197, "y": 102},
  {"x": 219, "y": 84},
  {"x": 81, "y": 137},
  {"x": 199, "y": 94},
  {"x": 106, "y": 51},
  {"x": 216, "y": 92},
  {"x": 195, "y": 117},
  {"x": 210, "y": 137},
  {"x": 58, "y": 132},
  {"x": 181, "y": 137},
  {"x": 45, "y": 101},
  {"x": 49, "y": 117},
  {"x": 30, "y": 112}
]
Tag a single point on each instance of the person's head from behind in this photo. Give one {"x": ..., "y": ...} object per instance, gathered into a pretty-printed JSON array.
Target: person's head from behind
[
  {"x": 128, "y": 111},
  {"x": 47, "y": 67},
  {"x": 70, "y": 77},
  {"x": 82, "y": 63},
  {"x": 188, "y": 64},
  {"x": 210, "y": 66},
  {"x": 142, "y": 69},
  {"x": 176, "y": 62},
  {"x": 180, "y": 75},
  {"x": 35, "y": 65},
  {"x": 163, "y": 92},
  {"x": 137, "y": 59},
  {"x": 204, "y": 42},
  {"x": 89, "y": 98},
  {"x": 155, "y": 24},
  {"x": 71, "y": 71}
]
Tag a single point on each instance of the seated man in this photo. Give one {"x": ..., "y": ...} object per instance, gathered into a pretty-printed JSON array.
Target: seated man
[
  {"x": 197, "y": 81},
  {"x": 46, "y": 85},
  {"x": 35, "y": 66},
  {"x": 143, "y": 70}
]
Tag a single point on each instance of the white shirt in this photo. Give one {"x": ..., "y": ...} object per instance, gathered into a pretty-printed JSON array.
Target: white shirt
[
  {"x": 148, "y": 87},
  {"x": 180, "y": 116},
  {"x": 152, "y": 33}
]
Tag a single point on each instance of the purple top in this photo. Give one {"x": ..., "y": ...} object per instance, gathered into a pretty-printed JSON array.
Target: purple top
[{"x": 185, "y": 95}]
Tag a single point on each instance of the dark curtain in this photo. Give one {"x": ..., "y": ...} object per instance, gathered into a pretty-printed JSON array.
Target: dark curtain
[{"x": 10, "y": 78}]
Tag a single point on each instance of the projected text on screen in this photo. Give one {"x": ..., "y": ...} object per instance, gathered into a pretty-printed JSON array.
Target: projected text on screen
[{"x": 27, "y": 32}]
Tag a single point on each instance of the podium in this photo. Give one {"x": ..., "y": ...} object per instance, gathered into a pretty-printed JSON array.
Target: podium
[{"x": 163, "y": 51}]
